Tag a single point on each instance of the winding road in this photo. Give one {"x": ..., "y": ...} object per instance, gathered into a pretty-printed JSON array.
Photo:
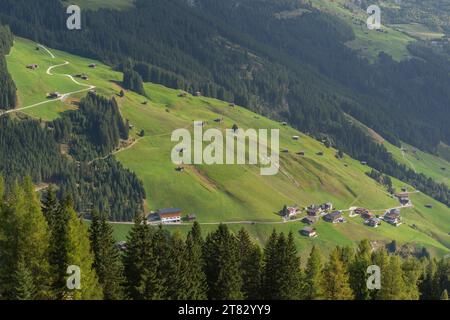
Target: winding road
[{"x": 63, "y": 96}]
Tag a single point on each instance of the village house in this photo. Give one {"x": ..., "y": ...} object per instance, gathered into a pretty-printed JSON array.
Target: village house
[
  {"x": 309, "y": 232},
  {"x": 291, "y": 212},
  {"x": 392, "y": 217},
  {"x": 309, "y": 220},
  {"x": 169, "y": 215},
  {"x": 295, "y": 138},
  {"x": 403, "y": 198},
  {"x": 373, "y": 222},
  {"x": 334, "y": 217},
  {"x": 328, "y": 206},
  {"x": 313, "y": 210}
]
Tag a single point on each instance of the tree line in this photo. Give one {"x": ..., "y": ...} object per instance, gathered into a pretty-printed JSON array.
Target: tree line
[
  {"x": 92, "y": 132},
  {"x": 40, "y": 238},
  {"x": 7, "y": 87}
]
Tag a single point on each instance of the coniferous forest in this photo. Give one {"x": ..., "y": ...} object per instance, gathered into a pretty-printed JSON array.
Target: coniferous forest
[
  {"x": 49, "y": 236},
  {"x": 94, "y": 180},
  {"x": 7, "y": 86}
]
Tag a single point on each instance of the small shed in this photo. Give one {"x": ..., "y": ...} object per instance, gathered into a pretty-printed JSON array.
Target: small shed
[{"x": 308, "y": 232}]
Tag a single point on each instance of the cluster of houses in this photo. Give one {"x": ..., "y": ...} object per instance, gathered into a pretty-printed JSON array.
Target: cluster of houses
[
  {"x": 369, "y": 218},
  {"x": 391, "y": 216}
]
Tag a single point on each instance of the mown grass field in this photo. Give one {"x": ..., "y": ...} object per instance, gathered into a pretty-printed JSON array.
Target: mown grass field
[
  {"x": 227, "y": 193},
  {"x": 430, "y": 165}
]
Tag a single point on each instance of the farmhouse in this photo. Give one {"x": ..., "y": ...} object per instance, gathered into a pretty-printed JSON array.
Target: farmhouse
[
  {"x": 295, "y": 138},
  {"x": 169, "y": 215},
  {"x": 198, "y": 94},
  {"x": 403, "y": 197},
  {"x": 92, "y": 65},
  {"x": 54, "y": 95},
  {"x": 308, "y": 232},
  {"x": 328, "y": 206},
  {"x": 393, "y": 217},
  {"x": 313, "y": 210},
  {"x": 334, "y": 217},
  {"x": 309, "y": 220},
  {"x": 373, "y": 222},
  {"x": 284, "y": 123},
  {"x": 291, "y": 211},
  {"x": 32, "y": 66}
]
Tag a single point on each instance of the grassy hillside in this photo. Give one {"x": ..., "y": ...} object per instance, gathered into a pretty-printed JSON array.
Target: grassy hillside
[
  {"x": 229, "y": 193},
  {"x": 432, "y": 166},
  {"x": 368, "y": 42}
]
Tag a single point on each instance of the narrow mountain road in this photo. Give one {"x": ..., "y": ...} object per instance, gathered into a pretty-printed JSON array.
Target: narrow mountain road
[{"x": 63, "y": 95}]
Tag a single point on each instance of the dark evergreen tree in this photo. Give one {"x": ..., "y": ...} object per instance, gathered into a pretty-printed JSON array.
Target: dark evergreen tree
[
  {"x": 222, "y": 265},
  {"x": 107, "y": 260}
]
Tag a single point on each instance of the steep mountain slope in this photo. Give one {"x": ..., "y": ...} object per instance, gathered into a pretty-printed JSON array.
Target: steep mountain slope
[{"x": 227, "y": 193}]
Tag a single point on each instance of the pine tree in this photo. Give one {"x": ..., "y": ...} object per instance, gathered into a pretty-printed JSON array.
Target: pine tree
[
  {"x": 282, "y": 273},
  {"x": 177, "y": 281},
  {"x": 313, "y": 276},
  {"x": 222, "y": 265},
  {"x": 250, "y": 266},
  {"x": 429, "y": 287},
  {"x": 412, "y": 270},
  {"x": 24, "y": 288},
  {"x": 57, "y": 219},
  {"x": 193, "y": 255},
  {"x": 270, "y": 267},
  {"x": 380, "y": 258},
  {"x": 140, "y": 264},
  {"x": 392, "y": 282},
  {"x": 107, "y": 261},
  {"x": 79, "y": 254},
  {"x": 25, "y": 234},
  {"x": 358, "y": 270},
  {"x": 335, "y": 281}
]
